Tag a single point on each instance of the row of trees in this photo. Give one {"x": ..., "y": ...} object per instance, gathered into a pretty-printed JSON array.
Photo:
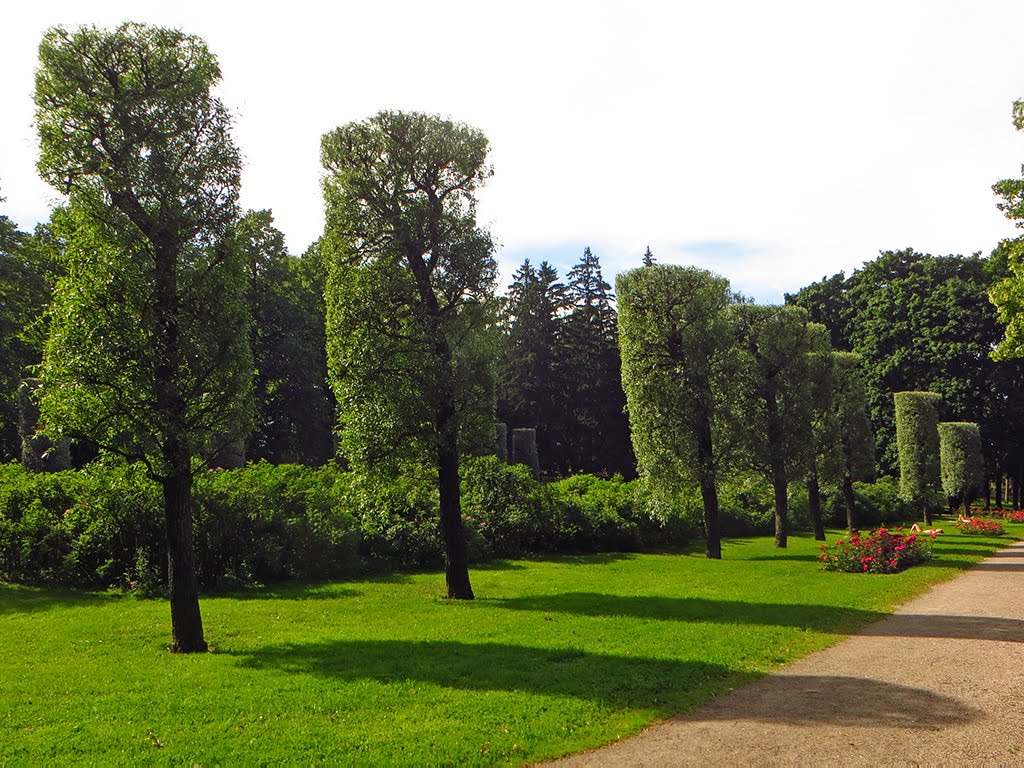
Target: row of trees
[{"x": 715, "y": 384}]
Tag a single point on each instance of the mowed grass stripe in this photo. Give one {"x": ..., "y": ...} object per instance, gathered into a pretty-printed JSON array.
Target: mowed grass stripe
[{"x": 557, "y": 655}]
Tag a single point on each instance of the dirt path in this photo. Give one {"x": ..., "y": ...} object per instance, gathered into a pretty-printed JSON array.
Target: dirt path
[{"x": 941, "y": 681}]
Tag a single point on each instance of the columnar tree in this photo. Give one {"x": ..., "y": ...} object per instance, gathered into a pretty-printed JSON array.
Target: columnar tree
[
  {"x": 409, "y": 299},
  {"x": 774, "y": 388},
  {"x": 917, "y": 438},
  {"x": 823, "y": 423},
  {"x": 674, "y": 336},
  {"x": 854, "y": 442},
  {"x": 148, "y": 352},
  {"x": 961, "y": 463}
]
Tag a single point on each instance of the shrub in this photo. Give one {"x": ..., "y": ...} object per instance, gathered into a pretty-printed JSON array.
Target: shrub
[
  {"x": 979, "y": 526},
  {"x": 880, "y": 551}
]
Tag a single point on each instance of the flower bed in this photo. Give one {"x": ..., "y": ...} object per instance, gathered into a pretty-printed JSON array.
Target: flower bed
[
  {"x": 979, "y": 526},
  {"x": 880, "y": 551},
  {"x": 1010, "y": 515}
]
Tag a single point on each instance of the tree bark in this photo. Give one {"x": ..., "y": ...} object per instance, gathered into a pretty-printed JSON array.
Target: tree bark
[
  {"x": 848, "y": 502},
  {"x": 814, "y": 506},
  {"x": 182, "y": 584},
  {"x": 777, "y": 465},
  {"x": 999, "y": 490},
  {"x": 456, "y": 556},
  {"x": 707, "y": 479}
]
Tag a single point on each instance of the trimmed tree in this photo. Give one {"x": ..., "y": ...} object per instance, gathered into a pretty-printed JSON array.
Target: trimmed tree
[
  {"x": 961, "y": 462},
  {"x": 854, "y": 443},
  {"x": 775, "y": 395},
  {"x": 410, "y": 301},
  {"x": 917, "y": 438},
  {"x": 674, "y": 337},
  {"x": 148, "y": 352}
]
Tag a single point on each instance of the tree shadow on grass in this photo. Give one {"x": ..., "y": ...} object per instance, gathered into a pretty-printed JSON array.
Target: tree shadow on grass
[
  {"x": 615, "y": 681},
  {"x": 790, "y": 556},
  {"x": 15, "y": 598},
  {"x": 826, "y": 618},
  {"x": 297, "y": 592},
  {"x": 839, "y": 700}
]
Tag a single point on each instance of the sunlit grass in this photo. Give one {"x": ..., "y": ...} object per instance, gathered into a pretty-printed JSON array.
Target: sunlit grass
[{"x": 555, "y": 656}]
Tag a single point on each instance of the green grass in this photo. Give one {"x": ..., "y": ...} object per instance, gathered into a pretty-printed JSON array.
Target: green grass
[{"x": 556, "y": 655}]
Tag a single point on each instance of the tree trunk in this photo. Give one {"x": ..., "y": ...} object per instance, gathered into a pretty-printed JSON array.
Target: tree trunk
[
  {"x": 777, "y": 464},
  {"x": 814, "y": 506},
  {"x": 456, "y": 556},
  {"x": 926, "y": 512},
  {"x": 707, "y": 479},
  {"x": 182, "y": 584},
  {"x": 999, "y": 490},
  {"x": 848, "y": 502}
]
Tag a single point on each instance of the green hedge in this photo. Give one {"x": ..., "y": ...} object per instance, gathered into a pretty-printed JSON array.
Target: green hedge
[{"x": 102, "y": 526}]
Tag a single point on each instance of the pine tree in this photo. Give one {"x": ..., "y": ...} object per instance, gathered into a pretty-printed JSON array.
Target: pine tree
[
  {"x": 648, "y": 257},
  {"x": 597, "y": 433},
  {"x": 529, "y": 393}
]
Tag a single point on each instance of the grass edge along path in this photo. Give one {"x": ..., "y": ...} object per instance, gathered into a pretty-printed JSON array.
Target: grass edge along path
[{"x": 558, "y": 655}]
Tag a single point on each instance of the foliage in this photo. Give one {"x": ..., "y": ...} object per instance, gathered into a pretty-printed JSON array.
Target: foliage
[
  {"x": 880, "y": 551},
  {"x": 674, "y": 339},
  {"x": 294, "y": 405},
  {"x": 979, "y": 526},
  {"x": 136, "y": 360},
  {"x": 774, "y": 389},
  {"x": 29, "y": 267},
  {"x": 101, "y": 526},
  {"x": 960, "y": 459},
  {"x": 925, "y": 322},
  {"x": 410, "y": 306},
  {"x": 917, "y": 436}
]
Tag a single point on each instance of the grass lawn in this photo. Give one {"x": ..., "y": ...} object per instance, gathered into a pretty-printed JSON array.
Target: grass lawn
[{"x": 556, "y": 655}]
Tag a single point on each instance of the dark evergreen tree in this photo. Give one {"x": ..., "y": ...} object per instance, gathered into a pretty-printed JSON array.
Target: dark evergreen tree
[
  {"x": 648, "y": 257},
  {"x": 294, "y": 404},
  {"x": 529, "y": 391},
  {"x": 597, "y": 430}
]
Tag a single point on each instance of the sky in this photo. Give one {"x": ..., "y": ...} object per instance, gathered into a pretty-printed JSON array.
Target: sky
[{"x": 773, "y": 143}]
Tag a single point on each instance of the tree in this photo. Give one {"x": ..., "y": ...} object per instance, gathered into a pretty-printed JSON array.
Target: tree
[
  {"x": 597, "y": 434},
  {"x": 674, "y": 339},
  {"x": 917, "y": 438},
  {"x": 148, "y": 351},
  {"x": 773, "y": 386},
  {"x": 294, "y": 404},
  {"x": 854, "y": 442},
  {"x": 410, "y": 299},
  {"x": 648, "y": 257},
  {"x": 531, "y": 394},
  {"x": 960, "y": 460}
]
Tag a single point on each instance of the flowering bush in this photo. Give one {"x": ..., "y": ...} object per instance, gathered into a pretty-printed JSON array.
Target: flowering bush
[
  {"x": 1012, "y": 515},
  {"x": 979, "y": 526},
  {"x": 880, "y": 551}
]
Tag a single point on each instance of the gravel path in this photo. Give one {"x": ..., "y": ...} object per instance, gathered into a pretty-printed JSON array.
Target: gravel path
[{"x": 939, "y": 682}]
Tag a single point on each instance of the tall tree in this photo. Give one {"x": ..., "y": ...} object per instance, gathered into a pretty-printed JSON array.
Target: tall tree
[
  {"x": 648, "y": 257},
  {"x": 148, "y": 352},
  {"x": 917, "y": 437},
  {"x": 675, "y": 337},
  {"x": 774, "y": 390},
  {"x": 530, "y": 394},
  {"x": 410, "y": 297},
  {"x": 960, "y": 461},
  {"x": 853, "y": 445},
  {"x": 597, "y": 433},
  {"x": 294, "y": 404}
]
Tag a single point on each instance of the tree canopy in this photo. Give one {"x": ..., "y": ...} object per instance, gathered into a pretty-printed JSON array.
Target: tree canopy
[
  {"x": 148, "y": 349},
  {"x": 410, "y": 310}
]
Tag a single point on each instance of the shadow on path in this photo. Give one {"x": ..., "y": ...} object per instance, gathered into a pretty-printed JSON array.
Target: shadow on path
[
  {"x": 829, "y": 699},
  {"x": 952, "y": 627}
]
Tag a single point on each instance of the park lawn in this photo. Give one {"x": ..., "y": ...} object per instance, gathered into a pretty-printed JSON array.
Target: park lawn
[{"x": 556, "y": 655}]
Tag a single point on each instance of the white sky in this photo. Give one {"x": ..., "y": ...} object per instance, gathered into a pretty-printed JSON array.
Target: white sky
[{"x": 773, "y": 142}]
